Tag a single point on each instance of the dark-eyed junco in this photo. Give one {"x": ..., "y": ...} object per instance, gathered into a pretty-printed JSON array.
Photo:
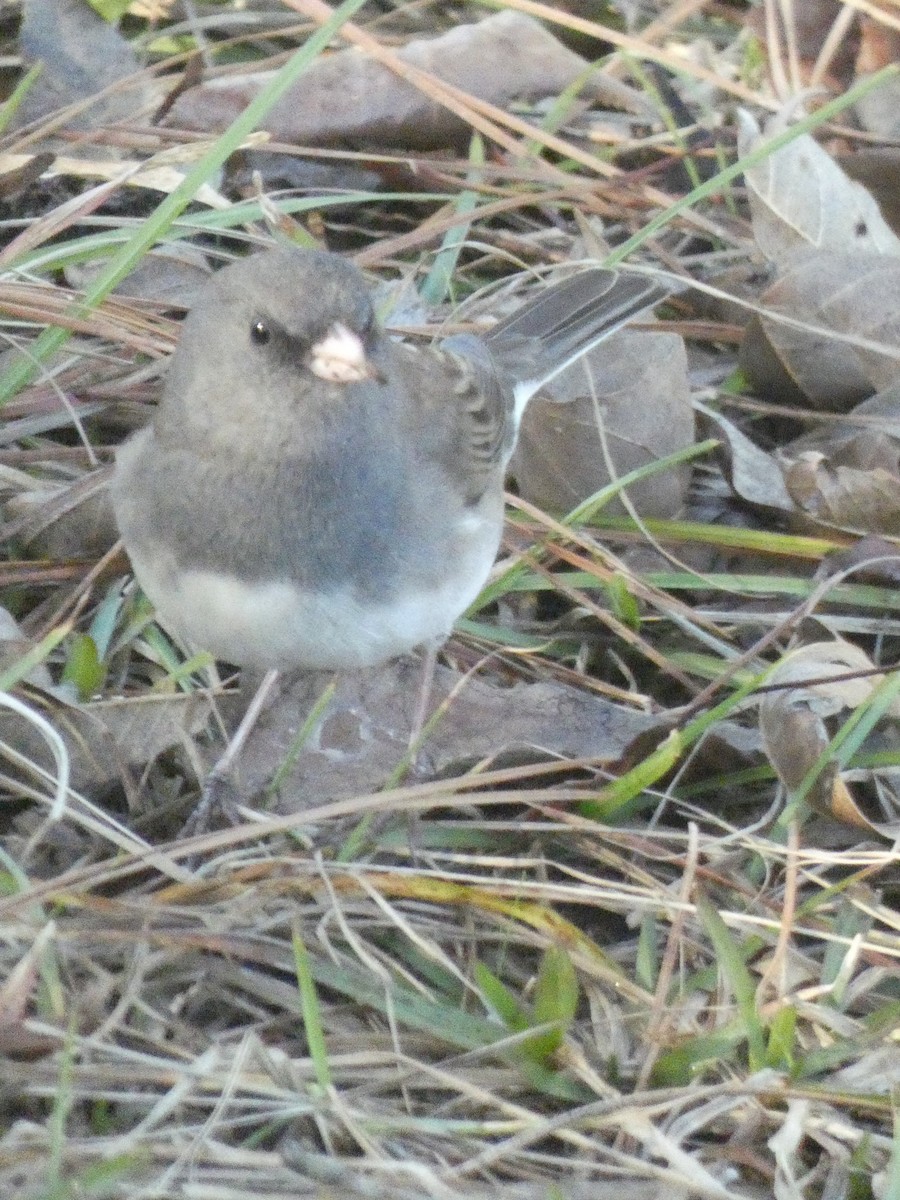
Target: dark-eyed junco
[{"x": 313, "y": 493}]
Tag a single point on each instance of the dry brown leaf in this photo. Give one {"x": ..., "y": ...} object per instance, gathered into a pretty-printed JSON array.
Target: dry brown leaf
[
  {"x": 365, "y": 732},
  {"x": 852, "y": 482},
  {"x": 753, "y": 474},
  {"x": 80, "y": 54},
  {"x": 633, "y": 388},
  {"x": 794, "y": 737},
  {"x": 848, "y": 474},
  {"x": 799, "y": 196},
  {"x": 793, "y": 723},
  {"x": 853, "y": 296},
  {"x": 869, "y": 438},
  {"x": 153, "y": 175},
  {"x": 865, "y": 501},
  {"x": 877, "y": 168},
  {"x": 106, "y": 736},
  {"x": 174, "y": 274},
  {"x": 871, "y": 559},
  {"x": 827, "y": 661},
  {"x": 349, "y": 99}
]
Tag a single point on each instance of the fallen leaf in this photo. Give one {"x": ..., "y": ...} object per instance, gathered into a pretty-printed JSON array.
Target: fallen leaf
[
  {"x": 623, "y": 406},
  {"x": 851, "y": 483},
  {"x": 868, "y": 438},
  {"x": 872, "y": 560},
  {"x": 106, "y": 736},
  {"x": 865, "y": 501},
  {"x": 794, "y": 723},
  {"x": 847, "y": 474},
  {"x": 349, "y": 99},
  {"x": 877, "y": 168},
  {"x": 80, "y": 54},
  {"x": 152, "y": 175},
  {"x": 168, "y": 275},
  {"x": 799, "y": 196},
  {"x": 832, "y": 323},
  {"x": 365, "y": 731},
  {"x": 754, "y": 475}
]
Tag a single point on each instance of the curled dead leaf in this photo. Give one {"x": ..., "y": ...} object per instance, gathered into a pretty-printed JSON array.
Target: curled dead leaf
[
  {"x": 753, "y": 474},
  {"x": 843, "y": 475},
  {"x": 847, "y": 474},
  {"x": 867, "y": 501},
  {"x": 793, "y": 723}
]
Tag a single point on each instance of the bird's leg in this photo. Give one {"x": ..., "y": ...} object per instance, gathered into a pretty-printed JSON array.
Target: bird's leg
[
  {"x": 247, "y": 724},
  {"x": 426, "y": 686},
  {"x": 217, "y": 783}
]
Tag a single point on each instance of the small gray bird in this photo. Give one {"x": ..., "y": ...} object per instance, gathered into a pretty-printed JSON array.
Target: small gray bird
[{"x": 312, "y": 493}]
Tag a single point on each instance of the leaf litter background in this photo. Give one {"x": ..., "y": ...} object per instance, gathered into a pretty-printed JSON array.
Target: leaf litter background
[{"x": 629, "y": 925}]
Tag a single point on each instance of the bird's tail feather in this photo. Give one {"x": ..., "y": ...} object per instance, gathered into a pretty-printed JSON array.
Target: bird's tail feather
[{"x": 547, "y": 334}]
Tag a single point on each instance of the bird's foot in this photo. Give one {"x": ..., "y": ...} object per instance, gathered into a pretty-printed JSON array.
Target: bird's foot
[{"x": 217, "y": 808}]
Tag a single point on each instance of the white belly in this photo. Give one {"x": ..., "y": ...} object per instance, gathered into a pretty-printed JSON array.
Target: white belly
[{"x": 278, "y": 625}]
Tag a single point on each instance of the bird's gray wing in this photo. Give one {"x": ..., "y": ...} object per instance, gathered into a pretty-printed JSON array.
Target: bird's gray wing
[
  {"x": 463, "y": 411},
  {"x": 471, "y": 391}
]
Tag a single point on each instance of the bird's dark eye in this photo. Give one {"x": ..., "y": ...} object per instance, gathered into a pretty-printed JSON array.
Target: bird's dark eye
[{"x": 259, "y": 333}]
